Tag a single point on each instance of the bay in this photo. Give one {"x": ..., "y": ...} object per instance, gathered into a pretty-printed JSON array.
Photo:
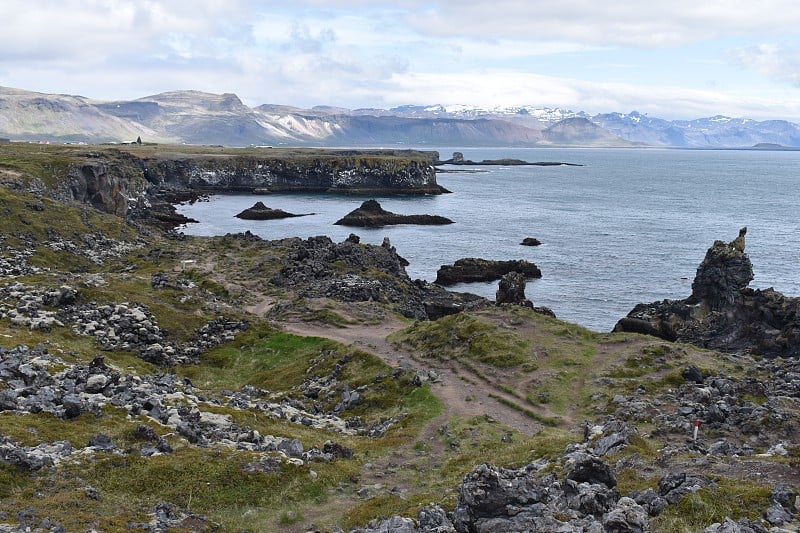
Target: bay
[{"x": 628, "y": 226}]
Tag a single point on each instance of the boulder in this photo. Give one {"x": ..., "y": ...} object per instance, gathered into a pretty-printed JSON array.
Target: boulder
[
  {"x": 371, "y": 215},
  {"x": 530, "y": 241}
]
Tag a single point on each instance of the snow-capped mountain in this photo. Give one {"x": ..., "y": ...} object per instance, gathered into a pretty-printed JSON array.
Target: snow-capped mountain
[{"x": 202, "y": 118}]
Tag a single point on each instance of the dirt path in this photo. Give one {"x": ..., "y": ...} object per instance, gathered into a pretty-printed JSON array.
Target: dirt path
[{"x": 460, "y": 394}]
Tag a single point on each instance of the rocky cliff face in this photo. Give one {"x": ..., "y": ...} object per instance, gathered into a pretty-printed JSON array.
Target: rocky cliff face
[
  {"x": 722, "y": 313},
  {"x": 108, "y": 186},
  {"x": 343, "y": 174}
]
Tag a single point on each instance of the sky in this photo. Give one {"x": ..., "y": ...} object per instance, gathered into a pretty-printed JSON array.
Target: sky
[{"x": 675, "y": 59}]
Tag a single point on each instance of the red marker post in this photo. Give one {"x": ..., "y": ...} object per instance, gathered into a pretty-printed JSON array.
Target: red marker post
[{"x": 696, "y": 426}]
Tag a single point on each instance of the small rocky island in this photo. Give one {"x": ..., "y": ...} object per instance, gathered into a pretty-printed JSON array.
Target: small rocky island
[
  {"x": 371, "y": 215},
  {"x": 259, "y": 211},
  {"x": 723, "y": 313},
  {"x": 458, "y": 159}
]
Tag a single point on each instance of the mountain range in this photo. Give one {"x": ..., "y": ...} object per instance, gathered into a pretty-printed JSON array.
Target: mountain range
[{"x": 195, "y": 117}]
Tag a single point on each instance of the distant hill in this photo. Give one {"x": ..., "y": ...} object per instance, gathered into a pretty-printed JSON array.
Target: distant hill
[{"x": 196, "y": 117}]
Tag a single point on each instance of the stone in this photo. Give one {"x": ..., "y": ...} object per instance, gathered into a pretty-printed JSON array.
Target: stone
[
  {"x": 96, "y": 383},
  {"x": 291, "y": 447},
  {"x": 530, "y": 241},
  {"x": 626, "y": 517},
  {"x": 777, "y": 515},
  {"x": 590, "y": 469}
]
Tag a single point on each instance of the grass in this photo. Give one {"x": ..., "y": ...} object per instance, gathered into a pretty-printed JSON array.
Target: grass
[
  {"x": 547, "y": 421},
  {"x": 464, "y": 336},
  {"x": 711, "y": 504}
]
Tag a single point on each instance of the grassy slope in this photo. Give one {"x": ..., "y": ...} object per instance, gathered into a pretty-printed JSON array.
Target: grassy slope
[{"x": 555, "y": 372}]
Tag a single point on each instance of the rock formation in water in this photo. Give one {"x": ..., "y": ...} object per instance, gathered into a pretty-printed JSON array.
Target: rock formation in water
[
  {"x": 471, "y": 269},
  {"x": 259, "y": 211},
  {"x": 530, "y": 241},
  {"x": 458, "y": 159},
  {"x": 723, "y": 313},
  {"x": 371, "y": 215}
]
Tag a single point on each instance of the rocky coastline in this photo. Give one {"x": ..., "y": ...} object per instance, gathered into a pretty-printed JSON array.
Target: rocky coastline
[
  {"x": 237, "y": 383},
  {"x": 723, "y": 313}
]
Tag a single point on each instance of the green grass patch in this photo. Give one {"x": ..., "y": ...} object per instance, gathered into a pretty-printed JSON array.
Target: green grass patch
[
  {"x": 259, "y": 356},
  {"x": 727, "y": 498},
  {"x": 465, "y": 336}
]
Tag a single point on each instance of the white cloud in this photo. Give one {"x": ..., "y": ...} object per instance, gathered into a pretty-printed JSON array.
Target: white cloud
[
  {"x": 513, "y": 88},
  {"x": 774, "y": 61},
  {"x": 610, "y": 22}
]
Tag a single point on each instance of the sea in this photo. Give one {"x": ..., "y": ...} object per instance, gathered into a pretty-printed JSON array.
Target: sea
[{"x": 618, "y": 226}]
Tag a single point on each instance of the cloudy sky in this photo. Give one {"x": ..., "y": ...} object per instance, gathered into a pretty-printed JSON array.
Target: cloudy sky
[{"x": 673, "y": 59}]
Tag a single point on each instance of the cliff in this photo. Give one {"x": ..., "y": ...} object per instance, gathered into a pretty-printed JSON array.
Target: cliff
[
  {"x": 275, "y": 170},
  {"x": 143, "y": 180}
]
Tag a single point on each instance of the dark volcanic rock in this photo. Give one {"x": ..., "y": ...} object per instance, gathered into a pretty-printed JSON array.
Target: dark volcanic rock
[
  {"x": 372, "y": 215},
  {"x": 261, "y": 212},
  {"x": 530, "y": 241},
  {"x": 722, "y": 313},
  {"x": 349, "y": 271},
  {"x": 472, "y": 269},
  {"x": 511, "y": 290}
]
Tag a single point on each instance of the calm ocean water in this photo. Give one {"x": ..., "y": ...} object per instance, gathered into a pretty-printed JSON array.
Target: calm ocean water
[{"x": 629, "y": 226}]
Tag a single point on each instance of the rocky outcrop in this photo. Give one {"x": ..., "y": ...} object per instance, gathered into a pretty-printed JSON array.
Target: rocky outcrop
[
  {"x": 123, "y": 326},
  {"x": 371, "y": 215},
  {"x": 259, "y": 211},
  {"x": 530, "y": 241},
  {"x": 470, "y": 269},
  {"x": 722, "y": 313},
  {"x": 111, "y": 186},
  {"x": 511, "y": 290},
  {"x": 350, "y": 271}
]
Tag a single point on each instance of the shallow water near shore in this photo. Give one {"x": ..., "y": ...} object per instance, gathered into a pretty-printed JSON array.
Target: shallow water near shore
[{"x": 629, "y": 226}]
